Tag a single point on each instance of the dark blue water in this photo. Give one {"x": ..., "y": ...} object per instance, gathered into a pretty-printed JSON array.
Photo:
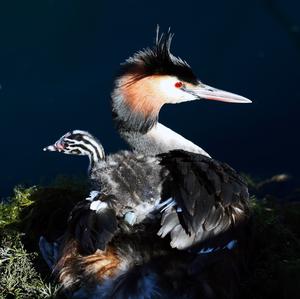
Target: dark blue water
[{"x": 58, "y": 59}]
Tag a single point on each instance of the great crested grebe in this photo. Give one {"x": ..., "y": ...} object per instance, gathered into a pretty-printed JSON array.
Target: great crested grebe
[
  {"x": 149, "y": 79},
  {"x": 206, "y": 201}
]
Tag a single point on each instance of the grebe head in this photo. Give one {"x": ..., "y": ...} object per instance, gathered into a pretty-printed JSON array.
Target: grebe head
[
  {"x": 78, "y": 142},
  {"x": 153, "y": 77}
]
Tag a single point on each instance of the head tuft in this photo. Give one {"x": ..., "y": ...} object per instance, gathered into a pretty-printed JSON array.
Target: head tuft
[
  {"x": 158, "y": 60},
  {"x": 146, "y": 82}
]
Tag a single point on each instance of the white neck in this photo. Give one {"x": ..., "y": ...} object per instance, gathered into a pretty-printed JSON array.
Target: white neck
[{"x": 160, "y": 139}]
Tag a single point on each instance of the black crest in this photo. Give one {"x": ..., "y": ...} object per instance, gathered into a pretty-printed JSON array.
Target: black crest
[{"x": 158, "y": 60}]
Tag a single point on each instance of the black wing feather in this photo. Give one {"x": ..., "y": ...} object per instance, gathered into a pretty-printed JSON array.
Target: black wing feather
[{"x": 211, "y": 198}]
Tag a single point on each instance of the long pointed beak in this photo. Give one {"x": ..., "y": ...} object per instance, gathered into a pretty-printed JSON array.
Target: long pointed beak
[{"x": 203, "y": 91}]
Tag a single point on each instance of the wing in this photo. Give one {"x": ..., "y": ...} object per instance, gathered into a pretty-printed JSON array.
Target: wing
[
  {"x": 210, "y": 200},
  {"x": 93, "y": 224}
]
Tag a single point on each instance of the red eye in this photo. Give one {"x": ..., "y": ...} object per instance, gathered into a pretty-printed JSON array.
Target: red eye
[{"x": 178, "y": 84}]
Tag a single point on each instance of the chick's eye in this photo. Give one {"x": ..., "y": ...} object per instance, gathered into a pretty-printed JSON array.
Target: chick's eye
[{"x": 178, "y": 84}]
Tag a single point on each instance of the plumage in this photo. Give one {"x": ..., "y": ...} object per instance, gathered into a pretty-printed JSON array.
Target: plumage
[
  {"x": 124, "y": 181},
  {"x": 178, "y": 187},
  {"x": 159, "y": 61}
]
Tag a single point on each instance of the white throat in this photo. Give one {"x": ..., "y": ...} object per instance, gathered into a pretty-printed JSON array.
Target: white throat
[{"x": 160, "y": 139}]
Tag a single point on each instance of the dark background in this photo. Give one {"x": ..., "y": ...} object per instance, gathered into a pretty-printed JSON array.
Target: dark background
[{"x": 58, "y": 59}]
